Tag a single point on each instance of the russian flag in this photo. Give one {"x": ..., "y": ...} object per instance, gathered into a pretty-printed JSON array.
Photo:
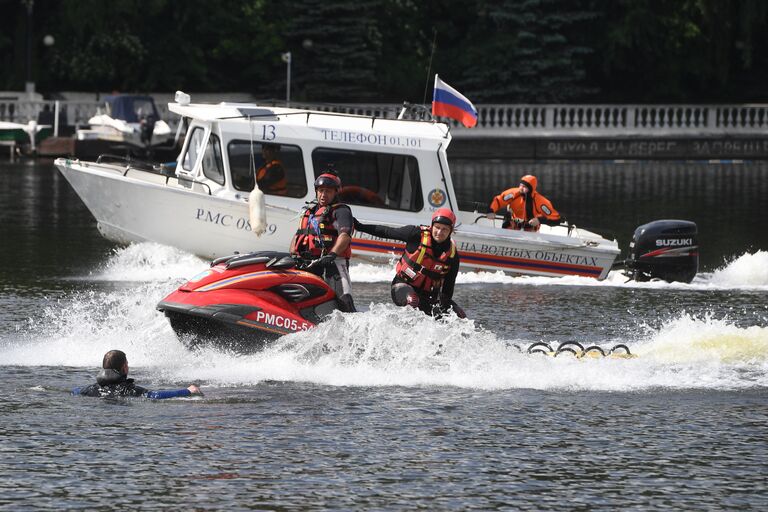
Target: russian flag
[{"x": 448, "y": 102}]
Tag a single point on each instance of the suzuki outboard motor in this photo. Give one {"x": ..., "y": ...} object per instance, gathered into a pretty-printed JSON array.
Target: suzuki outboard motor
[{"x": 664, "y": 249}]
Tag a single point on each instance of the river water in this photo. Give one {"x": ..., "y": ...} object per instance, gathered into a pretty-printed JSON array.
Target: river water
[{"x": 388, "y": 409}]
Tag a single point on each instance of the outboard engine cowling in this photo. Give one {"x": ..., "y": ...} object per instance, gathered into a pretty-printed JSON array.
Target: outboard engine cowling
[{"x": 664, "y": 249}]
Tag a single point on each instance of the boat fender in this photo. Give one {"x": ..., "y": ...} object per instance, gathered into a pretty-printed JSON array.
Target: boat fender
[
  {"x": 540, "y": 348},
  {"x": 257, "y": 210},
  {"x": 594, "y": 351},
  {"x": 568, "y": 349},
  {"x": 576, "y": 344},
  {"x": 620, "y": 346}
]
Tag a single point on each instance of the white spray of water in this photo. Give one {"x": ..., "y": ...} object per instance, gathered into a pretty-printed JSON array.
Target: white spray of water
[
  {"x": 147, "y": 262},
  {"x": 382, "y": 347},
  {"x": 390, "y": 346},
  {"x": 747, "y": 272}
]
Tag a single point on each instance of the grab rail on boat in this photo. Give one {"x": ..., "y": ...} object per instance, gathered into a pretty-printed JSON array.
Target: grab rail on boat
[
  {"x": 148, "y": 167},
  {"x": 190, "y": 180},
  {"x": 126, "y": 160},
  {"x": 571, "y": 228}
]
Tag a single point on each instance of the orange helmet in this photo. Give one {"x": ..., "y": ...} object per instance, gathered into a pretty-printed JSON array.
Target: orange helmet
[{"x": 444, "y": 216}]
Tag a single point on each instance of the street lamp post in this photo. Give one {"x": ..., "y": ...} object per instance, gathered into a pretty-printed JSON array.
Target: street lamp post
[
  {"x": 29, "y": 85},
  {"x": 287, "y": 59}
]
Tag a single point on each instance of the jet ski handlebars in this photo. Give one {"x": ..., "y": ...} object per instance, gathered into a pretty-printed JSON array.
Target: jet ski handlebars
[{"x": 271, "y": 260}]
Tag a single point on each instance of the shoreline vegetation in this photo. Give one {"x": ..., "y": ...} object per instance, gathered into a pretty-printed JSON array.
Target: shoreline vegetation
[{"x": 548, "y": 51}]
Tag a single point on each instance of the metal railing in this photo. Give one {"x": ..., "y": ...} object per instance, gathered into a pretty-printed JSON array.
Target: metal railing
[{"x": 502, "y": 120}]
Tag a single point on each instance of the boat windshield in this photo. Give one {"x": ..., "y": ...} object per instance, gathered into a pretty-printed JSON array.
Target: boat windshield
[{"x": 131, "y": 109}]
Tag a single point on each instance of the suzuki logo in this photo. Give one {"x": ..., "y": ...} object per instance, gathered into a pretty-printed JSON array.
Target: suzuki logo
[{"x": 673, "y": 242}]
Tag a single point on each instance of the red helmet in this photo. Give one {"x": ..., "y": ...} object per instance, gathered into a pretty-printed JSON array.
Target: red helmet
[
  {"x": 444, "y": 216},
  {"x": 328, "y": 180}
]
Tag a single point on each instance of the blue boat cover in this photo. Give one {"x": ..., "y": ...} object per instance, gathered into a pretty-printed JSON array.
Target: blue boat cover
[{"x": 131, "y": 108}]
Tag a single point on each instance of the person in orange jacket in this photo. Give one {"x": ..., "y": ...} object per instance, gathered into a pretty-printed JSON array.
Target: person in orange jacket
[
  {"x": 271, "y": 176},
  {"x": 527, "y": 208}
]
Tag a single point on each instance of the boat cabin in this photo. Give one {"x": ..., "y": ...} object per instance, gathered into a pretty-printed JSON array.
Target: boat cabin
[{"x": 395, "y": 166}]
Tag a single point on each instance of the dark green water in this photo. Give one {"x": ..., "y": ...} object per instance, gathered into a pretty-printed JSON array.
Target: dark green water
[{"x": 387, "y": 409}]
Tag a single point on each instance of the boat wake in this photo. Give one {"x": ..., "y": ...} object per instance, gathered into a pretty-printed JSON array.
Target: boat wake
[
  {"x": 150, "y": 262},
  {"x": 389, "y": 346},
  {"x": 746, "y": 272}
]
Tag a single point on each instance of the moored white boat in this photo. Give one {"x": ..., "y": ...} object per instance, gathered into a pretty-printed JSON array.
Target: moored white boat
[
  {"x": 394, "y": 172},
  {"x": 128, "y": 119}
]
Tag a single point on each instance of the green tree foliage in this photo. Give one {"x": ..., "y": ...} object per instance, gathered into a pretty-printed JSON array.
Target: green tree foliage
[
  {"x": 673, "y": 50},
  {"x": 382, "y": 50},
  {"x": 523, "y": 49},
  {"x": 336, "y": 47},
  {"x": 131, "y": 45}
]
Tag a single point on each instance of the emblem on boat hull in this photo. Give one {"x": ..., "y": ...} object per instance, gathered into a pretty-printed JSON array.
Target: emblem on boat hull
[{"x": 436, "y": 197}]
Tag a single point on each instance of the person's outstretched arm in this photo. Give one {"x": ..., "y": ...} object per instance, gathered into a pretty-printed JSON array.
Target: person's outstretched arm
[
  {"x": 502, "y": 200},
  {"x": 174, "y": 393},
  {"x": 404, "y": 233}
]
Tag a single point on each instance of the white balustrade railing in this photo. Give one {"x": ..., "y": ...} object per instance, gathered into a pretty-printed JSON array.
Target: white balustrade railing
[
  {"x": 510, "y": 120},
  {"x": 521, "y": 120}
]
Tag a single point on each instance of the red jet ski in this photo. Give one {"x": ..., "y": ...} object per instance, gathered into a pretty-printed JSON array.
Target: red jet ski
[{"x": 244, "y": 302}]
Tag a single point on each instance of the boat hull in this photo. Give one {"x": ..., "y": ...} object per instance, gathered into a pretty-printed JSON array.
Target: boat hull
[{"x": 148, "y": 208}]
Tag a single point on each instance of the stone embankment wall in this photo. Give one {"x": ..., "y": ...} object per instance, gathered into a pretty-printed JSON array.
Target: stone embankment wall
[{"x": 529, "y": 132}]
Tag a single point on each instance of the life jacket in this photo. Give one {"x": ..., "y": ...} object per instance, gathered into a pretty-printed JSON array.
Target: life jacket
[
  {"x": 111, "y": 383},
  {"x": 316, "y": 234},
  {"x": 280, "y": 187},
  {"x": 421, "y": 269},
  {"x": 515, "y": 204}
]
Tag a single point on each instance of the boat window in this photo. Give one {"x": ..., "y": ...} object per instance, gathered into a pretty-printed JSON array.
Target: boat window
[
  {"x": 382, "y": 180},
  {"x": 279, "y": 167},
  {"x": 194, "y": 148},
  {"x": 213, "y": 167}
]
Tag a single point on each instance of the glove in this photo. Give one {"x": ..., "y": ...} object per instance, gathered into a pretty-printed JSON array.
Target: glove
[
  {"x": 490, "y": 215},
  {"x": 327, "y": 260}
]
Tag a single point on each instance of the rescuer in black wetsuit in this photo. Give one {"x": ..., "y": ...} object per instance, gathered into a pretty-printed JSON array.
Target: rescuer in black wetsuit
[
  {"x": 426, "y": 273},
  {"x": 113, "y": 382}
]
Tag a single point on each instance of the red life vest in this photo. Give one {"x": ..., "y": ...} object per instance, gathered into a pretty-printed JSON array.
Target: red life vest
[
  {"x": 280, "y": 187},
  {"x": 316, "y": 234},
  {"x": 421, "y": 269}
]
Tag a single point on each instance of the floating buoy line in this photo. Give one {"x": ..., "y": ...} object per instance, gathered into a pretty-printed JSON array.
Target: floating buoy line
[{"x": 577, "y": 350}]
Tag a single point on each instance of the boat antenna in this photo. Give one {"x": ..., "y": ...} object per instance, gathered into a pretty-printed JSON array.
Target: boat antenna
[{"x": 429, "y": 68}]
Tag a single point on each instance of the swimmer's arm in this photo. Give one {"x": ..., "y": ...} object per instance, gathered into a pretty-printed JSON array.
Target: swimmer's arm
[{"x": 174, "y": 393}]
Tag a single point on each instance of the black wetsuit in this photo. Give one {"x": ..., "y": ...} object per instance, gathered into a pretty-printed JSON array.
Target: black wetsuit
[
  {"x": 428, "y": 302},
  {"x": 112, "y": 384}
]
